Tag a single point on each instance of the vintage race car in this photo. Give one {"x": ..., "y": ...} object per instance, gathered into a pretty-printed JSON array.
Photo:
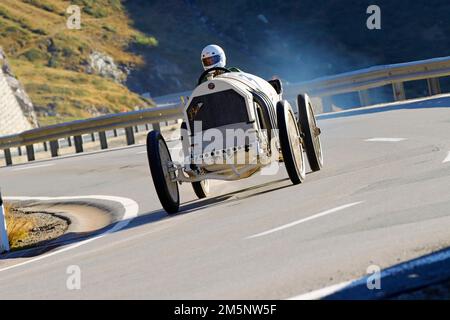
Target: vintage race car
[{"x": 235, "y": 125}]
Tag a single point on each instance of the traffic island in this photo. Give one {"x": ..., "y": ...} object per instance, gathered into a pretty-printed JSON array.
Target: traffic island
[{"x": 35, "y": 227}]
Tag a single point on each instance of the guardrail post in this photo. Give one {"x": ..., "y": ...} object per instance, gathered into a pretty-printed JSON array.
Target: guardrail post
[
  {"x": 54, "y": 138},
  {"x": 103, "y": 140},
  {"x": 156, "y": 126},
  {"x": 8, "y": 158},
  {"x": 364, "y": 98},
  {"x": 434, "y": 86},
  {"x": 78, "y": 144},
  {"x": 54, "y": 145},
  {"x": 130, "y": 135},
  {"x": 399, "y": 91},
  {"x": 4, "y": 242},
  {"x": 30, "y": 152}
]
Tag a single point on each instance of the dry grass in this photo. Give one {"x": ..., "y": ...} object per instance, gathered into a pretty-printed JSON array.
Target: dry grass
[
  {"x": 75, "y": 95},
  {"x": 18, "y": 228}
]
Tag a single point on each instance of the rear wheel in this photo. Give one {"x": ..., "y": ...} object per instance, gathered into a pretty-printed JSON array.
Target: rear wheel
[
  {"x": 201, "y": 188},
  {"x": 291, "y": 146},
  {"x": 311, "y": 133},
  {"x": 159, "y": 158}
]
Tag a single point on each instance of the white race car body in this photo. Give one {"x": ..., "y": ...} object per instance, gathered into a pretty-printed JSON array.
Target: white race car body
[
  {"x": 223, "y": 106},
  {"x": 235, "y": 124}
]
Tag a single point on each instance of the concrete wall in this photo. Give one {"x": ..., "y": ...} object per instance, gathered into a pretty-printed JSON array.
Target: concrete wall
[{"x": 12, "y": 118}]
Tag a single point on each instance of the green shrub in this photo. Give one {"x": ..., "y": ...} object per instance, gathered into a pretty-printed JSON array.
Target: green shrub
[
  {"x": 54, "y": 62},
  {"x": 109, "y": 28},
  {"x": 13, "y": 31},
  {"x": 34, "y": 55},
  {"x": 67, "y": 52},
  {"x": 39, "y": 31},
  {"x": 146, "y": 41}
]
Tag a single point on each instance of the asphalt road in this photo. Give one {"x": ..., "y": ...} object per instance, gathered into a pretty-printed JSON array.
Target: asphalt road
[{"x": 382, "y": 198}]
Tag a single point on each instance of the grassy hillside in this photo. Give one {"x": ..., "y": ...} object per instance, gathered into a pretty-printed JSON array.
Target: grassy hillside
[{"x": 53, "y": 61}]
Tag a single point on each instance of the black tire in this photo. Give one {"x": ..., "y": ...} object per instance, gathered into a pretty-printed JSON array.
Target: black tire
[
  {"x": 167, "y": 190},
  {"x": 201, "y": 188},
  {"x": 183, "y": 126},
  {"x": 291, "y": 146},
  {"x": 310, "y": 132}
]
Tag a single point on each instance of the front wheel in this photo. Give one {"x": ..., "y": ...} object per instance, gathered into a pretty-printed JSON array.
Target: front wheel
[
  {"x": 291, "y": 146},
  {"x": 159, "y": 160}
]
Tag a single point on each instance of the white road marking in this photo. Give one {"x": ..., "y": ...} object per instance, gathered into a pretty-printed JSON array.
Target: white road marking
[
  {"x": 131, "y": 211},
  {"x": 385, "y": 139},
  {"x": 292, "y": 224},
  {"x": 393, "y": 271},
  {"x": 321, "y": 293},
  {"x": 447, "y": 159},
  {"x": 33, "y": 167}
]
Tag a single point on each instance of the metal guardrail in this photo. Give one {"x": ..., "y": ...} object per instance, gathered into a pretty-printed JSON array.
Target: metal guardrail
[
  {"x": 357, "y": 81},
  {"x": 75, "y": 129},
  {"x": 363, "y": 80}
]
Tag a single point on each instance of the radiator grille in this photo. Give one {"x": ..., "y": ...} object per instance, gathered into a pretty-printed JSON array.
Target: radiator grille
[{"x": 217, "y": 109}]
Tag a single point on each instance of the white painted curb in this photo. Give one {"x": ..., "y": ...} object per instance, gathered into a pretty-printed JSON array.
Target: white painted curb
[{"x": 4, "y": 243}]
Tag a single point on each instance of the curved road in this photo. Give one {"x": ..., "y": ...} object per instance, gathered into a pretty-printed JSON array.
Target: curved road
[{"x": 382, "y": 198}]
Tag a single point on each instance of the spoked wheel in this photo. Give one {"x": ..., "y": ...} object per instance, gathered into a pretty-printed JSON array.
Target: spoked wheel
[
  {"x": 159, "y": 158},
  {"x": 201, "y": 188},
  {"x": 311, "y": 133},
  {"x": 291, "y": 146}
]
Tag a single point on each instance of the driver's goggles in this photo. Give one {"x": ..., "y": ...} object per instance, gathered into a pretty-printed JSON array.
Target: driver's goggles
[{"x": 207, "y": 62}]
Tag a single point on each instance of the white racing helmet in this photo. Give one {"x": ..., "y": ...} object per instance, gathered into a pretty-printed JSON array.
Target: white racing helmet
[{"x": 213, "y": 56}]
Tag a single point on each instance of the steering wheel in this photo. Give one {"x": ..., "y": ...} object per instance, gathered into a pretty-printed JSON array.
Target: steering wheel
[{"x": 206, "y": 72}]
